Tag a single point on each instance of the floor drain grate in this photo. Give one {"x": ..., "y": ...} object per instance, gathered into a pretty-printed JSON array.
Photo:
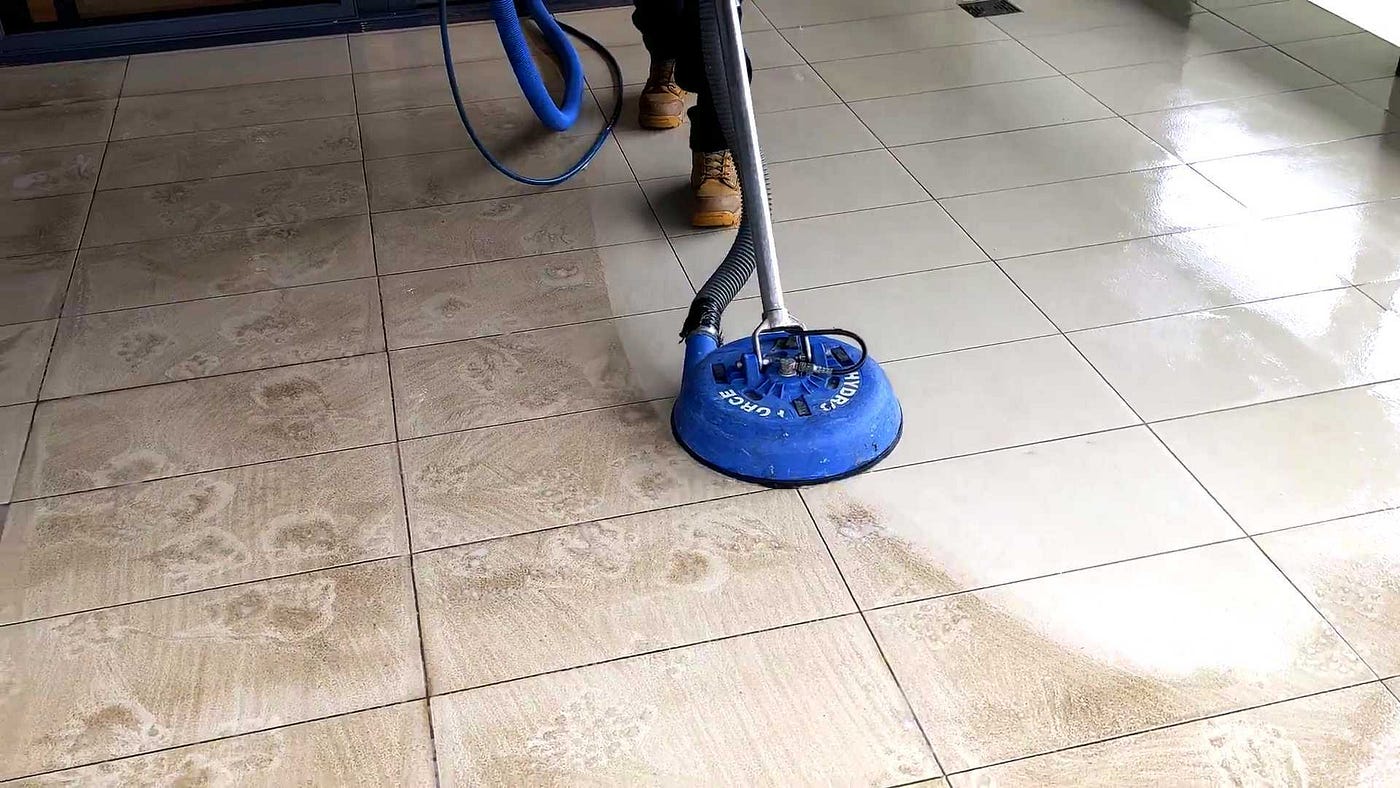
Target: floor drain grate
[{"x": 983, "y": 8}]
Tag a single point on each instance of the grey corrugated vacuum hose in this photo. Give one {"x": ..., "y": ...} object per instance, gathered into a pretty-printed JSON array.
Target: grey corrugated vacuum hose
[{"x": 738, "y": 265}]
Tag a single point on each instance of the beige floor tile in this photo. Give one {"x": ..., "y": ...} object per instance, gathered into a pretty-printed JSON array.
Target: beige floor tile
[
  {"x": 884, "y": 35},
  {"x": 794, "y": 705},
  {"x": 45, "y": 224},
  {"x": 766, "y": 49},
  {"x": 613, "y": 26},
  {"x": 801, "y": 13},
  {"x": 1092, "y": 211},
  {"x": 200, "y": 266},
  {"x": 1164, "y": 40},
  {"x": 231, "y": 203},
  {"x": 63, "y": 124},
  {"x": 24, "y": 350},
  {"x": 386, "y": 50},
  {"x": 14, "y": 429},
  {"x": 906, "y": 533},
  {"x": 49, "y": 172},
  {"x": 1345, "y": 737},
  {"x": 1348, "y": 58},
  {"x": 916, "y": 314},
  {"x": 525, "y": 226},
  {"x": 805, "y": 188},
  {"x": 1049, "y": 17},
  {"x": 55, "y": 84},
  {"x": 1072, "y": 659},
  {"x": 1297, "y": 461},
  {"x": 1000, "y": 396},
  {"x": 508, "y": 123},
  {"x": 587, "y": 593},
  {"x": 1387, "y": 294},
  {"x": 1031, "y": 157},
  {"x": 985, "y": 109},
  {"x": 1291, "y": 20},
  {"x": 1222, "y": 266},
  {"x": 880, "y": 76},
  {"x": 32, "y": 287},
  {"x": 200, "y": 425},
  {"x": 211, "y": 154},
  {"x": 829, "y": 250},
  {"x": 1228, "y": 75},
  {"x": 1264, "y": 123},
  {"x": 538, "y": 474},
  {"x": 1223, "y": 358},
  {"x": 533, "y": 374},
  {"x": 387, "y": 746},
  {"x": 471, "y": 301},
  {"x": 1317, "y": 176},
  {"x": 464, "y": 175},
  {"x": 176, "y": 671},
  {"x": 139, "y": 541},
  {"x": 1348, "y": 568},
  {"x": 233, "y": 106},
  {"x": 1384, "y": 93},
  {"x": 214, "y": 336},
  {"x": 792, "y": 87},
  {"x": 197, "y": 69},
  {"x": 408, "y": 88}
]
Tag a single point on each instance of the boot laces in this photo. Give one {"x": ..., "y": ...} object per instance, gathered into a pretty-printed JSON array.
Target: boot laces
[
  {"x": 663, "y": 78},
  {"x": 719, "y": 166}
]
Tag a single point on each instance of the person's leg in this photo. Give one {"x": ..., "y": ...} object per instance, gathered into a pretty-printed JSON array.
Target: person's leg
[
  {"x": 662, "y": 25},
  {"x": 718, "y": 202}
]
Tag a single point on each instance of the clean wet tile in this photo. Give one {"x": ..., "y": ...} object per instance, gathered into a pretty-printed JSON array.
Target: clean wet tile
[
  {"x": 997, "y": 397},
  {"x": 1091, "y": 211},
  {"x": 533, "y": 374},
  {"x": 1031, "y": 157},
  {"x": 1049, "y": 17},
  {"x": 790, "y": 87},
  {"x": 1183, "y": 272},
  {"x": 174, "y": 536},
  {"x": 1264, "y": 123},
  {"x": 385, "y": 746},
  {"x": 939, "y": 68},
  {"x": 44, "y": 224},
  {"x": 440, "y": 236},
  {"x": 24, "y": 350},
  {"x": 1290, "y": 20},
  {"x": 924, "y": 530},
  {"x": 195, "y": 69},
  {"x": 829, "y": 250},
  {"x": 211, "y": 154},
  {"x": 1344, "y": 736},
  {"x": 464, "y": 175},
  {"x": 1348, "y": 58},
  {"x": 644, "y": 712},
  {"x": 14, "y": 430},
  {"x": 523, "y": 477},
  {"x": 118, "y": 682},
  {"x": 464, "y": 302},
  {"x": 884, "y": 35},
  {"x": 985, "y": 109},
  {"x": 1387, "y": 294},
  {"x": 1313, "y": 177},
  {"x": 214, "y": 336},
  {"x": 801, "y": 13},
  {"x": 1299, "y": 460},
  {"x": 1384, "y": 92},
  {"x": 119, "y": 437},
  {"x": 1348, "y": 569},
  {"x": 230, "y": 203},
  {"x": 48, "y": 172},
  {"x": 64, "y": 124},
  {"x": 216, "y": 264},
  {"x": 1219, "y": 77},
  {"x": 1050, "y": 663},
  {"x": 31, "y": 287},
  {"x": 1222, "y": 358},
  {"x": 1166, "y": 40},
  {"x": 55, "y": 84},
  {"x": 573, "y": 596},
  {"x": 236, "y": 105}
]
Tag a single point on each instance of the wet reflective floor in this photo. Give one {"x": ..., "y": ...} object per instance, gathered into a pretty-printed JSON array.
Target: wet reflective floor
[{"x": 331, "y": 457}]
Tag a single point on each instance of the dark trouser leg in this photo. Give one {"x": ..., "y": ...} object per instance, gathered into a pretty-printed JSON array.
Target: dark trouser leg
[
  {"x": 706, "y": 136},
  {"x": 662, "y": 25}
]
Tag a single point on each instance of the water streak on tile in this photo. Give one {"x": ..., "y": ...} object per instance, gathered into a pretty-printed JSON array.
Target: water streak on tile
[
  {"x": 48, "y": 172},
  {"x": 24, "y": 349}
]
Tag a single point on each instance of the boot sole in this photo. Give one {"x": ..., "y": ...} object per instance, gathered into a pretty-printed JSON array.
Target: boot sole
[
  {"x": 659, "y": 122},
  {"x": 714, "y": 219}
]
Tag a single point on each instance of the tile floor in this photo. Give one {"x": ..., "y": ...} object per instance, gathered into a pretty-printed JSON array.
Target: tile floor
[{"x": 332, "y": 458}]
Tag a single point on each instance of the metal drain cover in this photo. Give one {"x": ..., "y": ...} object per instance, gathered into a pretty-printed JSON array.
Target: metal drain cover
[{"x": 983, "y": 8}]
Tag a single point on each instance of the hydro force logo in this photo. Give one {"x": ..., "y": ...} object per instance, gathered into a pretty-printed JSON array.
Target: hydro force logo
[{"x": 850, "y": 386}]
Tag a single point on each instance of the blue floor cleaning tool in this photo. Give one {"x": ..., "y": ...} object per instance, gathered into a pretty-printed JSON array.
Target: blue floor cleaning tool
[{"x": 788, "y": 405}]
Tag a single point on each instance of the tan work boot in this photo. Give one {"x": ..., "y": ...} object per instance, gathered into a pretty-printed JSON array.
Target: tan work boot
[
  {"x": 718, "y": 201},
  {"x": 663, "y": 101}
]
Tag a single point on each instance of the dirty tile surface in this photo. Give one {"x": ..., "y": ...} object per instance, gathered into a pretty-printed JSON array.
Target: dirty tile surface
[{"x": 289, "y": 379}]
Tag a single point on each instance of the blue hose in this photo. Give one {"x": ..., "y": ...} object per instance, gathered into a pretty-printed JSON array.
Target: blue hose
[{"x": 557, "y": 117}]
